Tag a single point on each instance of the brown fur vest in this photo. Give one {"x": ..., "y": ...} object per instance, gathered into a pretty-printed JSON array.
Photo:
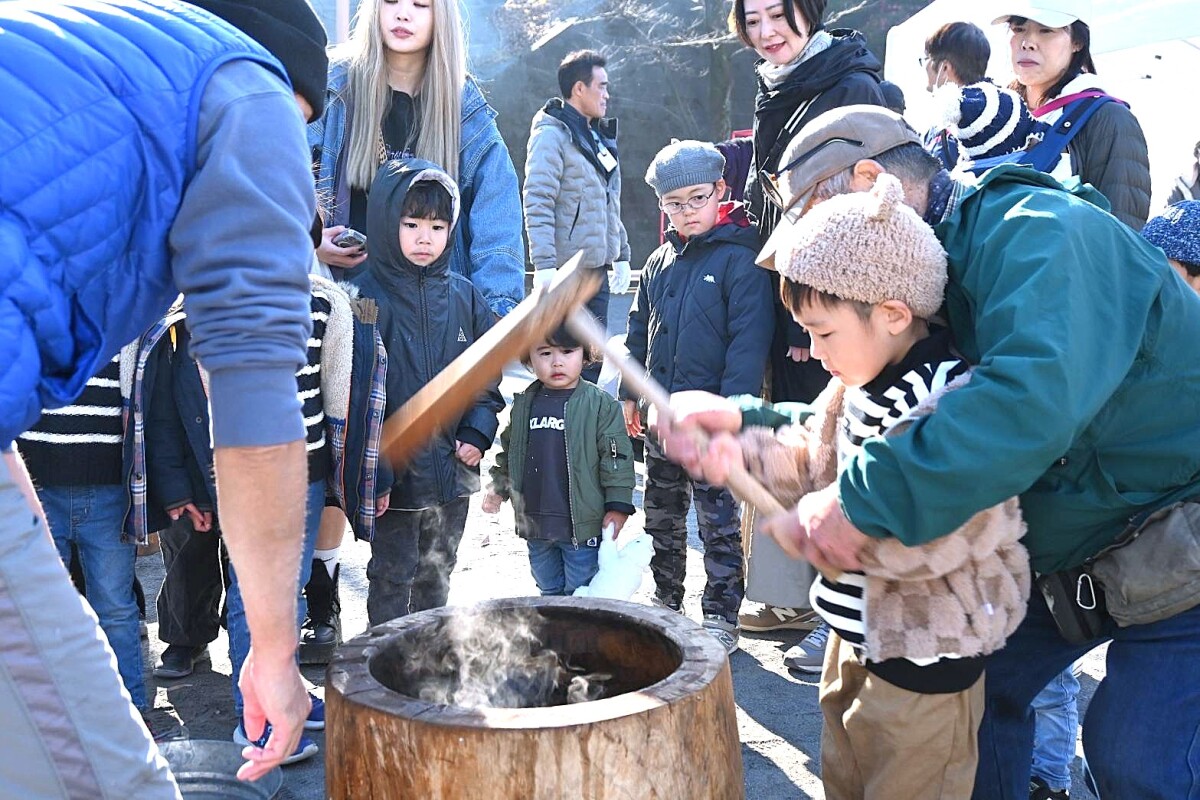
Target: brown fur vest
[{"x": 963, "y": 593}]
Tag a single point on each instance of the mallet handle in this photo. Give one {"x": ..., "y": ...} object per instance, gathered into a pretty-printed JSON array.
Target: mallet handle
[{"x": 745, "y": 485}]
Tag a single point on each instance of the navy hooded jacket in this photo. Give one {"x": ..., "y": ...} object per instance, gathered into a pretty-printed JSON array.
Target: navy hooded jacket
[
  {"x": 428, "y": 316},
  {"x": 703, "y": 316}
]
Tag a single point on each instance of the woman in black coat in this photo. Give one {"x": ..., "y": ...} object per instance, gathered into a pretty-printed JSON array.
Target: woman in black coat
[{"x": 805, "y": 71}]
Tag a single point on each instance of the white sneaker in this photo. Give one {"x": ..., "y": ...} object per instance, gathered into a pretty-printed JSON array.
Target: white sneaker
[
  {"x": 809, "y": 655},
  {"x": 725, "y": 632}
]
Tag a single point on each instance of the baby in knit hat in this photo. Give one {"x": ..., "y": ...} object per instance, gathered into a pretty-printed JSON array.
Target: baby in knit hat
[
  {"x": 985, "y": 121},
  {"x": 902, "y": 681},
  {"x": 702, "y": 319}
]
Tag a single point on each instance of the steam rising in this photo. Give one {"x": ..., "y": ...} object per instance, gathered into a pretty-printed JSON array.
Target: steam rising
[{"x": 484, "y": 661}]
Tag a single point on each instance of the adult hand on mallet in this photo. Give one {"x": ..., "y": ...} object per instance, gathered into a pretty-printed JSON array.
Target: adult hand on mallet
[
  {"x": 271, "y": 690},
  {"x": 830, "y": 541},
  {"x": 694, "y": 411}
]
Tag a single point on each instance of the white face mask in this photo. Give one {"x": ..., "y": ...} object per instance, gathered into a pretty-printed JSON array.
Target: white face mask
[{"x": 938, "y": 80}]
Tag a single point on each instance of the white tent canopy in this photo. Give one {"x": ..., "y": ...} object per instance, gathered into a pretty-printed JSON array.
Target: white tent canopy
[{"x": 1147, "y": 54}]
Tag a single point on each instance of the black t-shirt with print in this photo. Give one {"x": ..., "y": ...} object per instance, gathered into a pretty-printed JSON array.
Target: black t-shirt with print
[{"x": 547, "y": 500}]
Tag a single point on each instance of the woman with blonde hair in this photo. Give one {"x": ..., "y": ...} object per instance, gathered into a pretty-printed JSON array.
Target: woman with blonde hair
[{"x": 400, "y": 87}]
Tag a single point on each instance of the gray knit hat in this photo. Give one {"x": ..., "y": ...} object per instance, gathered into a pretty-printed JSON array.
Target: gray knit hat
[
  {"x": 870, "y": 247},
  {"x": 686, "y": 163}
]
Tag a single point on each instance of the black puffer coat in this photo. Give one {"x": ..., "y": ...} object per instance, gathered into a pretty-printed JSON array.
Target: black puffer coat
[
  {"x": 702, "y": 316},
  {"x": 1110, "y": 153},
  {"x": 845, "y": 74},
  {"x": 427, "y": 317}
]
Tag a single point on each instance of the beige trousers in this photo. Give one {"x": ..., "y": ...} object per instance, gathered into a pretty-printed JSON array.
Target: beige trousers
[{"x": 881, "y": 742}]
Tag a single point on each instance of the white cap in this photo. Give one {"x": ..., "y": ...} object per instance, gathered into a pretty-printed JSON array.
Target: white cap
[{"x": 1051, "y": 13}]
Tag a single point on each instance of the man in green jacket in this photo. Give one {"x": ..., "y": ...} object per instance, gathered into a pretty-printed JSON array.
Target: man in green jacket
[{"x": 1085, "y": 402}]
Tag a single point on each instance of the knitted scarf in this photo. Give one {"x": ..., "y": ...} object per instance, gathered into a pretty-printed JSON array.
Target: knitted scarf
[{"x": 773, "y": 75}]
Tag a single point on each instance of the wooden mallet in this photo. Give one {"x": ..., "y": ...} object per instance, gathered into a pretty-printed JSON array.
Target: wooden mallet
[
  {"x": 635, "y": 376},
  {"x": 444, "y": 400}
]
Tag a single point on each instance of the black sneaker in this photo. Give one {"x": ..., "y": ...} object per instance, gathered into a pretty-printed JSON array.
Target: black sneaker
[
  {"x": 178, "y": 661},
  {"x": 1039, "y": 790}
]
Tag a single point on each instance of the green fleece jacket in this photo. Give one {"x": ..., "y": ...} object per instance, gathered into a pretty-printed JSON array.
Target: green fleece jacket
[
  {"x": 600, "y": 472},
  {"x": 1085, "y": 399}
]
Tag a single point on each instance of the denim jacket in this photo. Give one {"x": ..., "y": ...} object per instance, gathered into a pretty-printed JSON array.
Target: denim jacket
[{"x": 488, "y": 244}]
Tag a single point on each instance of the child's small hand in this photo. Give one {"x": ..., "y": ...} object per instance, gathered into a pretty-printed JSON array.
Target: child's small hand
[
  {"x": 201, "y": 520},
  {"x": 799, "y": 354},
  {"x": 633, "y": 420},
  {"x": 381, "y": 504},
  {"x": 787, "y": 532},
  {"x": 616, "y": 519},
  {"x": 492, "y": 503},
  {"x": 468, "y": 454}
]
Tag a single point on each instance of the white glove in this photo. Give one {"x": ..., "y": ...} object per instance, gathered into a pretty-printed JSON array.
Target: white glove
[
  {"x": 543, "y": 277},
  {"x": 618, "y": 278}
]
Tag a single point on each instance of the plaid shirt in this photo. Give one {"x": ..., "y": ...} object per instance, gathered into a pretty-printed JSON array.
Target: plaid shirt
[
  {"x": 364, "y": 519},
  {"x": 137, "y": 521}
]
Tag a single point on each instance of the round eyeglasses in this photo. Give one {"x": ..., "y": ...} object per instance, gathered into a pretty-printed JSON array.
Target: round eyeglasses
[{"x": 697, "y": 202}]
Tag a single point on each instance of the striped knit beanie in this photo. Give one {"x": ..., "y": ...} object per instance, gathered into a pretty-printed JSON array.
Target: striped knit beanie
[
  {"x": 987, "y": 120},
  {"x": 870, "y": 247}
]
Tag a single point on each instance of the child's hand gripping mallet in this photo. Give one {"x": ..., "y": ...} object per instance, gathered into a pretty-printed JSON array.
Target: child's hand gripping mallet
[{"x": 634, "y": 375}]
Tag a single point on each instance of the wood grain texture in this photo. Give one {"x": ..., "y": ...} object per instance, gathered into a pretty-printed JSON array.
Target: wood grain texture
[
  {"x": 452, "y": 391},
  {"x": 674, "y": 739}
]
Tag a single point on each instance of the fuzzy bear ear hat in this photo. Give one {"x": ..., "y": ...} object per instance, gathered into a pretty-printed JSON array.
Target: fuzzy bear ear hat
[
  {"x": 987, "y": 120},
  {"x": 868, "y": 246}
]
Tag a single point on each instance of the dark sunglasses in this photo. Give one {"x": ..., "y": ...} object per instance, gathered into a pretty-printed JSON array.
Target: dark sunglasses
[{"x": 770, "y": 180}]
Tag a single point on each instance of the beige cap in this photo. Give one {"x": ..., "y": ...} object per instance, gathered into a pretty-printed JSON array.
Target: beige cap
[
  {"x": 832, "y": 142},
  {"x": 1051, "y": 13},
  {"x": 870, "y": 247}
]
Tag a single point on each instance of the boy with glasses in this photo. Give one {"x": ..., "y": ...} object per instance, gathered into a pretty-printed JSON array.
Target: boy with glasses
[{"x": 702, "y": 319}]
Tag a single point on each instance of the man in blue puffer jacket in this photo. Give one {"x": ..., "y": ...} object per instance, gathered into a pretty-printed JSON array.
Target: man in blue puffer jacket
[{"x": 149, "y": 148}]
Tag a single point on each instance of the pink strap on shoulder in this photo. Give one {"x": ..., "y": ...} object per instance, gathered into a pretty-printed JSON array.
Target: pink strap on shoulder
[{"x": 1058, "y": 103}]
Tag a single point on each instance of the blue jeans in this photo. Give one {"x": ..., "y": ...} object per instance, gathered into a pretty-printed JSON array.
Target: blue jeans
[
  {"x": 1054, "y": 729},
  {"x": 1141, "y": 733},
  {"x": 559, "y": 567},
  {"x": 235, "y": 609},
  {"x": 91, "y": 517}
]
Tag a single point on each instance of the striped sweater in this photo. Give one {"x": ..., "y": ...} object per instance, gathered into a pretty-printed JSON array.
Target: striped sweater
[
  {"x": 868, "y": 411},
  {"x": 308, "y": 381},
  {"x": 80, "y": 444}
]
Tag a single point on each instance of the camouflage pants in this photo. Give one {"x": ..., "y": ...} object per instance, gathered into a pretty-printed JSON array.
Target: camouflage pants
[{"x": 669, "y": 494}]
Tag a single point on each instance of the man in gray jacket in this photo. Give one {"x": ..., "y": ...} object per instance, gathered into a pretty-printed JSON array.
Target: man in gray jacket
[{"x": 572, "y": 193}]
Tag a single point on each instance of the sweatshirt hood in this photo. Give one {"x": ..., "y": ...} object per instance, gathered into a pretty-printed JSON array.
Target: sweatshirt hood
[{"x": 385, "y": 201}]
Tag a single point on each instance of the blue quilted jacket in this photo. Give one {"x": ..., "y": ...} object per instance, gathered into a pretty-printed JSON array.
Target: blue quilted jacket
[{"x": 97, "y": 144}]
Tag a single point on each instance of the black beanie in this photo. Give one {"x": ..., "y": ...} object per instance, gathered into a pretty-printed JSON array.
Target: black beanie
[{"x": 290, "y": 31}]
